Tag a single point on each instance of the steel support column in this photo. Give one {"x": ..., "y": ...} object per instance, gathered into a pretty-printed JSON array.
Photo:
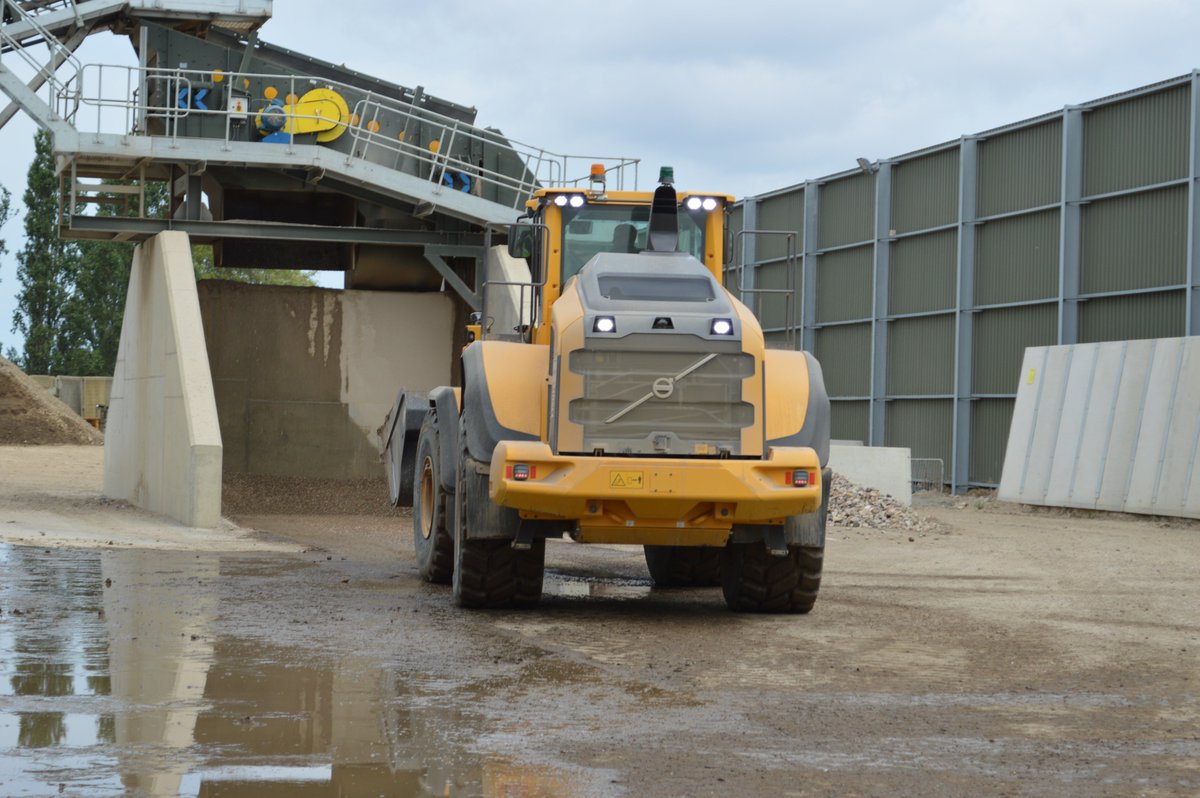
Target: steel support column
[
  {"x": 1070, "y": 226},
  {"x": 808, "y": 268},
  {"x": 1192, "y": 310},
  {"x": 879, "y": 304},
  {"x": 964, "y": 318}
]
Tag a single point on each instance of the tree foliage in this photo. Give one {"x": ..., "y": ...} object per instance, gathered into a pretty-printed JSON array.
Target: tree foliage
[
  {"x": 46, "y": 272},
  {"x": 206, "y": 269}
]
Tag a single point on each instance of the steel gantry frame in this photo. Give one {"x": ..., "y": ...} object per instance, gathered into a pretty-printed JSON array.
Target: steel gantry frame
[{"x": 1067, "y": 299}]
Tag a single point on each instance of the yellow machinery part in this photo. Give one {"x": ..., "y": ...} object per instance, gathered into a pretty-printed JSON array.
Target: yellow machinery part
[{"x": 320, "y": 111}]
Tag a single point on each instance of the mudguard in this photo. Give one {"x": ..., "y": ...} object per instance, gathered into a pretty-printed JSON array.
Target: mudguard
[
  {"x": 482, "y": 437},
  {"x": 445, "y": 403},
  {"x": 816, "y": 428},
  {"x": 399, "y": 437},
  {"x": 799, "y": 530}
]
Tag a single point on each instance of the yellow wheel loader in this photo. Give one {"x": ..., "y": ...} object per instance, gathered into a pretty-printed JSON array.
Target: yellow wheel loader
[{"x": 613, "y": 391}]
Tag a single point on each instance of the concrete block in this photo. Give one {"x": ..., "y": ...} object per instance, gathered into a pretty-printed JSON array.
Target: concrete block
[
  {"x": 163, "y": 451},
  {"x": 70, "y": 392},
  {"x": 1111, "y": 426},
  {"x": 886, "y": 468}
]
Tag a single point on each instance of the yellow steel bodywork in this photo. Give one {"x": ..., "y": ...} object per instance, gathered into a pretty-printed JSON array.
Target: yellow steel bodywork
[
  {"x": 320, "y": 111},
  {"x": 667, "y": 501},
  {"x": 516, "y": 380},
  {"x": 551, "y": 217},
  {"x": 786, "y": 397}
]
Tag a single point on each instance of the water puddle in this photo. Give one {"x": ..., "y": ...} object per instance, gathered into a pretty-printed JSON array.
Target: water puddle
[
  {"x": 116, "y": 678},
  {"x": 559, "y": 583}
]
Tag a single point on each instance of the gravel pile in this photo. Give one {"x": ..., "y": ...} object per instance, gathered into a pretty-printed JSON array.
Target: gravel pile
[
  {"x": 29, "y": 415},
  {"x": 252, "y": 494},
  {"x": 855, "y": 506}
]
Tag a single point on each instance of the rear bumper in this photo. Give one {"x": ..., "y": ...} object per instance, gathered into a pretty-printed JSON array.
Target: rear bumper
[{"x": 654, "y": 500}]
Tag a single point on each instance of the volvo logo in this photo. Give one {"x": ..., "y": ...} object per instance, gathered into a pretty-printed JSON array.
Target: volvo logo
[{"x": 663, "y": 387}]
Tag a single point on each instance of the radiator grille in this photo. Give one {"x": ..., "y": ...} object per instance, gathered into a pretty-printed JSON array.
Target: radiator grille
[{"x": 642, "y": 400}]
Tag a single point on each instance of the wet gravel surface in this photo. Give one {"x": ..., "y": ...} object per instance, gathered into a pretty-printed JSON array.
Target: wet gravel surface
[{"x": 1014, "y": 654}]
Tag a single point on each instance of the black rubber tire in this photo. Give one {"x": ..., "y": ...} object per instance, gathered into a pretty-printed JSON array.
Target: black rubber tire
[
  {"x": 433, "y": 539},
  {"x": 684, "y": 566},
  {"x": 490, "y": 573},
  {"x": 754, "y": 580}
]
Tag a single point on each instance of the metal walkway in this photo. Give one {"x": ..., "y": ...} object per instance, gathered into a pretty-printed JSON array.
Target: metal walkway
[{"x": 283, "y": 146}]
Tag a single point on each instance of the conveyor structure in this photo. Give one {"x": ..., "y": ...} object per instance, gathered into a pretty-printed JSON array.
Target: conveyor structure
[{"x": 278, "y": 159}]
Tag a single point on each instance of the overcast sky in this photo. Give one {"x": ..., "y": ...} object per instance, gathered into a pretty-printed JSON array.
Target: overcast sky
[{"x": 739, "y": 97}]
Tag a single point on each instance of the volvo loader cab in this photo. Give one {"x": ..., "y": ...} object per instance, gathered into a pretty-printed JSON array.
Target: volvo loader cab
[{"x": 634, "y": 402}]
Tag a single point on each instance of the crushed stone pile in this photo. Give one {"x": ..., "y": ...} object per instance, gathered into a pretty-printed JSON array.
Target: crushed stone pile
[
  {"x": 30, "y": 416},
  {"x": 852, "y": 505},
  {"x": 255, "y": 494}
]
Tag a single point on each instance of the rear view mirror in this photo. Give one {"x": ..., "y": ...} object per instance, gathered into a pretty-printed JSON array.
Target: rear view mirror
[{"x": 520, "y": 241}]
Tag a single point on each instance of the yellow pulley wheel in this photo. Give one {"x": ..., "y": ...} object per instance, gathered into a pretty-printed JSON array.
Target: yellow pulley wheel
[{"x": 320, "y": 111}]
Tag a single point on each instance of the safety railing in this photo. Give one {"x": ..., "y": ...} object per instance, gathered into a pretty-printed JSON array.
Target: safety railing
[
  {"x": 27, "y": 12},
  {"x": 928, "y": 473},
  {"x": 787, "y": 293},
  {"x": 104, "y": 98}
]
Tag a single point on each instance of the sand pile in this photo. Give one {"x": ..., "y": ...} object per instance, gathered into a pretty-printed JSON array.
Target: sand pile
[
  {"x": 29, "y": 415},
  {"x": 256, "y": 494}
]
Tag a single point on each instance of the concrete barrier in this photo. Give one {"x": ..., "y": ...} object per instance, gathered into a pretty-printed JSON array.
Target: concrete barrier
[
  {"x": 163, "y": 447},
  {"x": 1111, "y": 426},
  {"x": 885, "y": 468}
]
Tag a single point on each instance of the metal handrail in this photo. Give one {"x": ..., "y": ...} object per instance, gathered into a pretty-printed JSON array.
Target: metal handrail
[
  {"x": 788, "y": 292},
  {"x": 541, "y": 168}
]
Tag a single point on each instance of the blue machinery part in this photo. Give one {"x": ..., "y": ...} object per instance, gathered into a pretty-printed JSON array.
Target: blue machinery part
[{"x": 459, "y": 180}]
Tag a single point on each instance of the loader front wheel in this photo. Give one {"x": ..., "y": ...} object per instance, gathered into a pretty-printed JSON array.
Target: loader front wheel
[
  {"x": 433, "y": 537},
  {"x": 684, "y": 566},
  {"x": 490, "y": 573},
  {"x": 754, "y": 580}
]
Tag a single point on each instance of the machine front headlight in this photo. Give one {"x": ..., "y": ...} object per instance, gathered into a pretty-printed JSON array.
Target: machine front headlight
[{"x": 721, "y": 327}]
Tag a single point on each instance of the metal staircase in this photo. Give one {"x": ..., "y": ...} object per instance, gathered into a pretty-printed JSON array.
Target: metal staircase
[{"x": 283, "y": 147}]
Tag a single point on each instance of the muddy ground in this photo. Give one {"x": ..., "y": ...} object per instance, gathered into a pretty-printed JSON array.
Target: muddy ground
[{"x": 1019, "y": 653}]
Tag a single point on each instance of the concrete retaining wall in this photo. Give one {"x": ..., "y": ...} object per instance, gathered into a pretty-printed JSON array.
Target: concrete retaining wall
[
  {"x": 81, "y": 394},
  {"x": 885, "y": 468},
  {"x": 304, "y": 376},
  {"x": 162, "y": 451},
  {"x": 1112, "y": 426}
]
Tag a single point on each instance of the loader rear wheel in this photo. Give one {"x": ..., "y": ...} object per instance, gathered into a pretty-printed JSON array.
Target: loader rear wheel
[
  {"x": 491, "y": 573},
  {"x": 754, "y": 580},
  {"x": 433, "y": 539},
  {"x": 684, "y": 566}
]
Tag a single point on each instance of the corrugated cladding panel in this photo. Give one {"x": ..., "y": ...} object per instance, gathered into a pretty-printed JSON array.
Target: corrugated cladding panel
[
  {"x": 1134, "y": 241},
  {"x": 1126, "y": 318},
  {"x": 1021, "y": 169},
  {"x": 771, "y": 309},
  {"x": 781, "y": 212},
  {"x": 846, "y": 211},
  {"x": 925, "y": 192},
  {"x": 926, "y": 426},
  {"x": 921, "y": 272},
  {"x": 920, "y": 356},
  {"x": 1000, "y": 338},
  {"x": 845, "y": 355},
  {"x": 844, "y": 280},
  {"x": 1137, "y": 141},
  {"x": 850, "y": 421},
  {"x": 990, "y": 421},
  {"x": 1016, "y": 258}
]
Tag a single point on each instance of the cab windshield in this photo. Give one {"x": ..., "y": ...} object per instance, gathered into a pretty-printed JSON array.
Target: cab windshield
[{"x": 592, "y": 229}]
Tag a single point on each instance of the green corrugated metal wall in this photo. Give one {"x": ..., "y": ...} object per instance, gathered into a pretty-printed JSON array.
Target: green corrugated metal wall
[
  {"x": 781, "y": 212},
  {"x": 990, "y": 420},
  {"x": 925, "y": 192},
  {"x": 1137, "y": 142},
  {"x": 1134, "y": 240},
  {"x": 1126, "y": 318},
  {"x": 1001, "y": 336},
  {"x": 850, "y": 421},
  {"x": 1021, "y": 169},
  {"x": 926, "y": 426},
  {"x": 922, "y": 273},
  {"x": 844, "y": 281},
  {"x": 845, "y": 355},
  {"x": 847, "y": 211},
  {"x": 1016, "y": 258},
  {"x": 920, "y": 356}
]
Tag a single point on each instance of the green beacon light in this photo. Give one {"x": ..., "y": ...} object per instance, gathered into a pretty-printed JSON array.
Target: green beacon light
[{"x": 666, "y": 175}]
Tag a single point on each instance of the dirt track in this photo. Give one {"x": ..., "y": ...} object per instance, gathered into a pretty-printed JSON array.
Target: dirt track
[{"x": 1019, "y": 654}]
